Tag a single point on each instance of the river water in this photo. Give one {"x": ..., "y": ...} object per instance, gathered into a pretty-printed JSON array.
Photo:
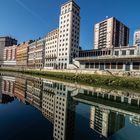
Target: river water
[{"x": 42, "y": 109}]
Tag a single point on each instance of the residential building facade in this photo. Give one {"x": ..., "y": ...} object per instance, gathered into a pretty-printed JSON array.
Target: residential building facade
[
  {"x": 110, "y": 33},
  {"x": 22, "y": 54},
  {"x": 36, "y": 54},
  {"x": 10, "y": 56},
  {"x": 5, "y": 42},
  {"x": 137, "y": 37},
  {"x": 69, "y": 30},
  {"x": 51, "y": 49},
  {"x": 39, "y": 53},
  {"x": 31, "y": 55}
]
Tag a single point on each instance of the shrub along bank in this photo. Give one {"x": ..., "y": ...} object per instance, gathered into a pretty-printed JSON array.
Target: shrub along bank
[{"x": 93, "y": 80}]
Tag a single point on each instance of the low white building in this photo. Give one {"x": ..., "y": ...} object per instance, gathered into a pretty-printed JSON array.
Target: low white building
[{"x": 124, "y": 58}]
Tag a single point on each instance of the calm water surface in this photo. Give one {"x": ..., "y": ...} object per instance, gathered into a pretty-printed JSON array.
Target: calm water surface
[{"x": 41, "y": 109}]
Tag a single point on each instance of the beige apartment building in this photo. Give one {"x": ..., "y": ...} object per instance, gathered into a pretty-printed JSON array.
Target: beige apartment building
[
  {"x": 110, "y": 33},
  {"x": 22, "y": 54},
  {"x": 51, "y": 49}
]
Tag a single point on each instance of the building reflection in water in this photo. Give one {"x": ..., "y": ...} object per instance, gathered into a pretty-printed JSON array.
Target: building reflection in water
[
  {"x": 7, "y": 89},
  {"x": 135, "y": 120},
  {"x": 34, "y": 92},
  {"x": 59, "y": 107},
  {"x": 106, "y": 122},
  {"x": 58, "y": 102},
  {"x": 20, "y": 89}
]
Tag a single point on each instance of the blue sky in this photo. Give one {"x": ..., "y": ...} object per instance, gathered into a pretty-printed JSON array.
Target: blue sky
[{"x": 31, "y": 19}]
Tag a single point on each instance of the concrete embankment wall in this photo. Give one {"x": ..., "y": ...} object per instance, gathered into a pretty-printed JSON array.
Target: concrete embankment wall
[
  {"x": 92, "y": 78},
  {"x": 86, "y": 71},
  {"x": 120, "y": 73},
  {"x": 104, "y": 72}
]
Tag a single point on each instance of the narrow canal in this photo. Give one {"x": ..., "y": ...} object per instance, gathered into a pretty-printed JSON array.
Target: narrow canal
[{"x": 42, "y": 109}]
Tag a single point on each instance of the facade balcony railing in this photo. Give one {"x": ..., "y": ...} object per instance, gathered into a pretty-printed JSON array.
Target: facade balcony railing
[
  {"x": 31, "y": 52},
  {"x": 39, "y": 58},
  {"x": 51, "y": 57},
  {"x": 30, "y": 59},
  {"x": 38, "y": 50}
]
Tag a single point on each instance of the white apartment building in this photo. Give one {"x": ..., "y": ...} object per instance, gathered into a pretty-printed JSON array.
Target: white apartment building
[
  {"x": 39, "y": 53},
  {"x": 137, "y": 38},
  {"x": 110, "y": 33},
  {"x": 36, "y": 54},
  {"x": 69, "y": 30},
  {"x": 51, "y": 49},
  {"x": 31, "y": 51}
]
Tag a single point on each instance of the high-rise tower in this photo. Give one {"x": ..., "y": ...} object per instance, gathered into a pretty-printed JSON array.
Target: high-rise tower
[
  {"x": 110, "y": 33},
  {"x": 69, "y": 30}
]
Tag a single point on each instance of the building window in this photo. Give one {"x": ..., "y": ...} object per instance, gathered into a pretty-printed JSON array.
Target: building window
[
  {"x": 120, "y": 66},
  {"x": 117, "y": 53},
  {"x": 65, "y": 66},
  {"x": 96, "y": 65},
  {"x": 113, "y": 65},
  {"x": 107, "y": 65},
  {"x": 87, "y": 65},
  {"x": 91, "y": 65},
  {"x": 123, "y": 52},
  {"x": 131, "y": 52},
  {"x": 136, "y": 65}
]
